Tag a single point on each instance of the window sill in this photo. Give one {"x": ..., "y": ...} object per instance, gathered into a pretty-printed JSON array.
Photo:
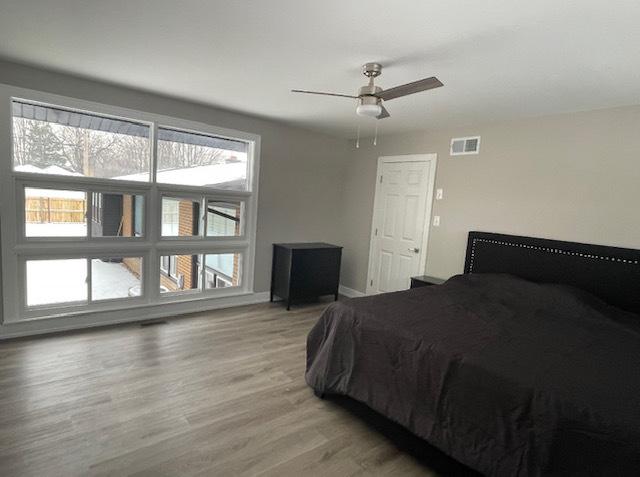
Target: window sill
[
  {"x": 129, "y": 314},
  {"x": 179, "y": 299}
]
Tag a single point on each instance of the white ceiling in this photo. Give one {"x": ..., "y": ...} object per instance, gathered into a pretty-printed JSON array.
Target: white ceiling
[{"x": 497, "y": 59}]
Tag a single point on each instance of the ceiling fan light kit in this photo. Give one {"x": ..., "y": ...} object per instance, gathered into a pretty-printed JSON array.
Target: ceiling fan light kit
[
  {"x": 371, "y": 110},
  {"x": 370, "y": 97}
]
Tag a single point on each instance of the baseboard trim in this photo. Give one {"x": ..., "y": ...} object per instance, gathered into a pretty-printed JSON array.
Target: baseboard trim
[
  {"x": 349, "y": 292},
  {"x": 54, "y": 325}
]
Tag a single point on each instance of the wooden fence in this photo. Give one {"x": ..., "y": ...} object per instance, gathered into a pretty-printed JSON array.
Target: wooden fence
[{"x": 42, "y": 210}]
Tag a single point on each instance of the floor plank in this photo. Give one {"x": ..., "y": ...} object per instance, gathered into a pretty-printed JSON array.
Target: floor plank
[{"x": 214, "y": 393}]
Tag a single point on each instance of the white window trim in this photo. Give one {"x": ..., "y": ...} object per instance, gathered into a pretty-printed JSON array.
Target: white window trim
[{"x": 16, "y": 248}]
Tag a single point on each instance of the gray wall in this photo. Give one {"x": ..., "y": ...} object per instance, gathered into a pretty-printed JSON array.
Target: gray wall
[
  {"x": 300, "y": 171},
  {"x": 568, "y": 177}
]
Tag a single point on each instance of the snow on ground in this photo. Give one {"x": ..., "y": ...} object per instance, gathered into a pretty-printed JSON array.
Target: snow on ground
[
  {"x": 111, "y": 280},
  {"x": 62, "y": 281},
  {"x": 55, "y": 193},
  {"x": 56, "y": 230},
  {"x": 56, "y": 281}
]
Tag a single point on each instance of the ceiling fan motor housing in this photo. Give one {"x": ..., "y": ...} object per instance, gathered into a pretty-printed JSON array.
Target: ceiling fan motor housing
[
  {"x": 368, "y": 99},
  {"x": 371, "y": 70},
  {"x": 368, "y": 94}
]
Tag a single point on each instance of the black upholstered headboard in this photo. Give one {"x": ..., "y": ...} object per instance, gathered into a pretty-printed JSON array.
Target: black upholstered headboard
[{"x": 611, "y": 273}]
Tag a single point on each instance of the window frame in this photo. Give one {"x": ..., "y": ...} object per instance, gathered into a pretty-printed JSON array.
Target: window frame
[{"x": 17, "y": 248}]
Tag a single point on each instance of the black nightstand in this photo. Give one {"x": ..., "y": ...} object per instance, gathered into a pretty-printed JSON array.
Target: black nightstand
[
  {"x": 305, "y": 271},
  {"x": 425, "y": 281}
]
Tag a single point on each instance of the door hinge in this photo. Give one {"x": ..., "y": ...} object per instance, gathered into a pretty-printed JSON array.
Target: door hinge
[
  {"x": 380, "y": 179},
  {"x": 371, "y": 283},
  {"x": 376, "y": 233}
]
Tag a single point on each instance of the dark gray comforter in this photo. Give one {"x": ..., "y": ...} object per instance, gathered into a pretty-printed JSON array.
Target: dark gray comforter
[{"x": 506, "y": 376}]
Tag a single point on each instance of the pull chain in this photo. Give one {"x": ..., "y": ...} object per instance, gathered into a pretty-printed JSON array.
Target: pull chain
[
  {"x": 375, "y": 137},
  {"x": 358, "y": 138}
]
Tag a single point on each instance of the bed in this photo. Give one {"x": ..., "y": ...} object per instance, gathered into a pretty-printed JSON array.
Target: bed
[{"x": 526, "y": 364}]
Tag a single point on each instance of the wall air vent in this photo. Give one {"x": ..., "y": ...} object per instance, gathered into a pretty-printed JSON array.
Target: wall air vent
[{"x": 461, "y": 146}]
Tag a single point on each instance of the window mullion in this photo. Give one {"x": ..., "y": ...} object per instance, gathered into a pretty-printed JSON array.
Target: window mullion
[
  {"x": 153, "y": 223},
  {"x": 88, "y": 215},
  {"x": 89, "y": 281}
]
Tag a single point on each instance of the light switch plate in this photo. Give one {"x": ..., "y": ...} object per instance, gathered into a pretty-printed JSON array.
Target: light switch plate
[
  {"x": 438, "y": 194},
  {"x": 436, "y": 221}
]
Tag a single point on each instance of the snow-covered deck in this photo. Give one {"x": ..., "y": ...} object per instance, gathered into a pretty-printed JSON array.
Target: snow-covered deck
[{"x": 63, "y": 281}]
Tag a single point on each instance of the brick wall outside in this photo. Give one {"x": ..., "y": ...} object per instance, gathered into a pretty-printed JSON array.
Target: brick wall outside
[
  {"x": 184, "y": 267},
  {"x": 184, "y": 263},
  {"x": 235, "y": 279},
  {"x": 168, "y": 283},
  {"x": 133, "y": 264},
  {"x": 185, "y": 218}
]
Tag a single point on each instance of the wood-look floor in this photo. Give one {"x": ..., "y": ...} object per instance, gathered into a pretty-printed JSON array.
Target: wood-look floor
[{"x": 216, "y": 393}]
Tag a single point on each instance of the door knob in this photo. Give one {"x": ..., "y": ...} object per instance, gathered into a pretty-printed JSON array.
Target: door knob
[{"x": 414, "y": 250}]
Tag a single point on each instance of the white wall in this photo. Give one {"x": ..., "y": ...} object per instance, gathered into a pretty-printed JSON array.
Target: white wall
[{"x": 568, "y": 177}]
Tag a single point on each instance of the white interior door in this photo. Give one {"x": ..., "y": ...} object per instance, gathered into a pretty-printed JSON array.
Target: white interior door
[{"x": 402, "y": 211}]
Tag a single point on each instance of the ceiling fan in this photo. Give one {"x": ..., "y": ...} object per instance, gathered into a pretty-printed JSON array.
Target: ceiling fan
[{"x": 370, "y": 96}]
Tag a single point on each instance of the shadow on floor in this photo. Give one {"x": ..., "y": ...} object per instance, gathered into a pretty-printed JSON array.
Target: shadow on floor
[{"x": 433, "y": 459}]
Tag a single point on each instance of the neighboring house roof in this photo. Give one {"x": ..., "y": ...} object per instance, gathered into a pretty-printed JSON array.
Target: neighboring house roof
[
  {"x": 51, "y": 114},
  {"x": 57, "y": 170},
  {"x": 78, "y": 119},
  {"x": 55, "y": 193},
  {"x": 230, "y": 175},
  {"x": 226, "y": 175}
]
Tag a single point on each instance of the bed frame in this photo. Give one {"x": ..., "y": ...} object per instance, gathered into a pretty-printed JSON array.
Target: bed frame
[{"x": 611, "y": 273}]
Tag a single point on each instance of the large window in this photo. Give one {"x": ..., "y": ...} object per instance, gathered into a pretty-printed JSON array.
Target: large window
[{"x": 115, "y": 209}]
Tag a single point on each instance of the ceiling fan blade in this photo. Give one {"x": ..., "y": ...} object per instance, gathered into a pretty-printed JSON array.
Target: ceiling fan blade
[
  {"x": 410, "y": 88},
  {"x": 323, "y": 93},
  {"x": 383, "y": 114}
]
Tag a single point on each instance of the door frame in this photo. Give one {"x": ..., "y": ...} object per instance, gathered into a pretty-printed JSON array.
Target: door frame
[{"x": 431, "y": 180}]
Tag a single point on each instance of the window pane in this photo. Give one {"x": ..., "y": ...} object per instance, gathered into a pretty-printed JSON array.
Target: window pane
[
  {"x": 117, "y": 215},
  {"x": 115, "y": 277},
  {"x": 200, "y": 160},
  {"x": 56, "y": 281},
  {"x": 51, "y": 140},
  {"x": 179, "y": 273},
  {"x": 222, "y": 270},
  {"x": 55, "y": 213},
  {"x": 180, "y": 217},
  {"x": 224, "y": 219}
]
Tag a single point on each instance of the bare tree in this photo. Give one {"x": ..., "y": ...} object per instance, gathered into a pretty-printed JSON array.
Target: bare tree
[
  {"x": 181, "y": 155},
  {"x": 101, "y": 153}
]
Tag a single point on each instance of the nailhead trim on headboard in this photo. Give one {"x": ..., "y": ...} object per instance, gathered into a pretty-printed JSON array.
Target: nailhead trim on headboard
[{"x": 546, "y": 249}]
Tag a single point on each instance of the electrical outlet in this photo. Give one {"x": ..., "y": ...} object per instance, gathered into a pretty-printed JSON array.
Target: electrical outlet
[
  {"x": 436, "y": 221},
  {"x": 438, "y": 194}
]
